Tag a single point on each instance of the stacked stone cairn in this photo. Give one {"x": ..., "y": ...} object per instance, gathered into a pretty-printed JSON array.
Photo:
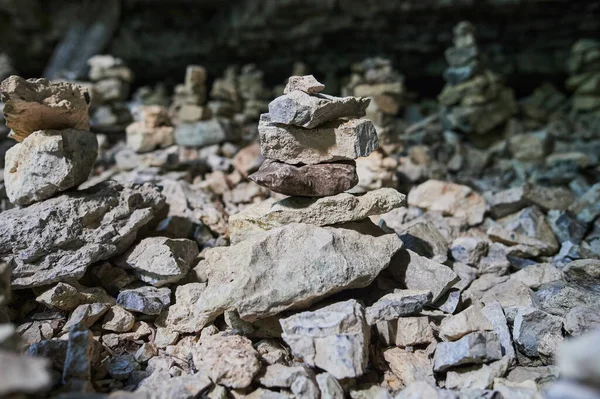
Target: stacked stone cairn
[
  {"x": 584, "y": 81},
  {"x": 254, "y": 93},
  {"x": 474, "y": 100},
  {"x": 55, "y": 150},
  {"x": 111, "y": 80},
  {"x": 199, "y": 124},
  {"x": 376, "y": 78}
]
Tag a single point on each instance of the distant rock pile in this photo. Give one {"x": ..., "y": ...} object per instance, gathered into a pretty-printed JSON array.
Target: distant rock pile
[
  {"x": 56, "y": 151},
  {"x": 111, "y": 80},
  {"x": 584, "y": 67},
  {"x": 376, "y": 78},
  {"x": 474, "y": 100}
]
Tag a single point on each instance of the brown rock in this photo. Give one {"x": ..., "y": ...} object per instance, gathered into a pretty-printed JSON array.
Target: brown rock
[
  {"x": 308, "y": 180},
  {"x": 307, "y": 84},
  {"x": 38, "y": 104}
]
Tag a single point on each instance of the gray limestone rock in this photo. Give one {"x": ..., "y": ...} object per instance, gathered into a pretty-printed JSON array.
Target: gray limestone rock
[
  {"x": 419, "y": 273},
  {"x": 77, "y": 372},
  {"x": 146, "y": 300},
  {"x": 558, "y": 298},
  {"x": 578, "y": 359},
  {"x": 228, "y": 360},
  {"x": 182, "y": 315},
  {"x": 473, "y": 348},
  {"x": 413, "y": 331},
  {"x": 118, "y": 320},
  {"x": 565, "y": 226},
  {"x": 56, "y": 240},
  {"x": 86, "y": 315},
  {"x": 587, "y": 208},
  {"x": 325, "y": 211},
  {"x": 469, "y": 320},
  {"x": 160, "y": 385},
  {"x": 334, "y": 141},
  {"x": 585, "y": 273},
  {"x": 160, "y": 260},
  {"x": 398, "y": 304},
  {"x": 334, "y": 338},
  {"x": 409, "y": 366},
  {"x": 203, "y": 133},
  {"x": 469, "y": 250},
  {"x": 581, "y": 320},
  {"x": 37, "y": 104},
  {"x": 263, "y": 276},
  {"x": 537, "y": 333},
  {"x": 48, "y": 162},
  {"x": 330, "y": 388},
  {"x": 425, "y": 239},
  {"x": 305, "y": 110},
  {"x": 306, "y": 83},
  {"x": 495, "y": 314},
  {"x": 477, "y": 377}
]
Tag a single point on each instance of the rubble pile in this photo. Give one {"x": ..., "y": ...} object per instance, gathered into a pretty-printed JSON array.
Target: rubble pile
[
  {"x": 474, "y": 101},
  {"x": 294, "y": 266}
]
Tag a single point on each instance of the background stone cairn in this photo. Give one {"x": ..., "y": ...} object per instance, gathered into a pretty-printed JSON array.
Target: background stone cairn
[
  {"x": 584, "y": 68},
  {"x": 55, "y": 150},
  {"x": 474, "y": 100},
  {"x": 111, "y": 80},
  {"x": 376, "y": 78}
]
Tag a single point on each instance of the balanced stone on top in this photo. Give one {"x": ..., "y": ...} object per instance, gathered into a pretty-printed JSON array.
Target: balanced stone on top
[
  {"x": 309, "y": 111},
  {"x": 334, "y": 141},
  {"x": 317, "y": 180},
  {"x": 307, "y": 84},
  {"x": 38, "y": 104}
]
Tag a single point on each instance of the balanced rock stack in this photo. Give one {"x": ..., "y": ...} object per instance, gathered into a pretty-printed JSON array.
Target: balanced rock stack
[
  {"x": 376, "y": 78},
  {"x": 253, "y": 91},
  {"x": 55, "y": 150},
  {"x": 310, "y": 141},
  {"x": 111, "y": 81},
  {"x": 291, "y": 253},
  {"x": 584, "y": 82},
  {"x": 196, "y": 124},
  {"x": 474, "y": 100}
]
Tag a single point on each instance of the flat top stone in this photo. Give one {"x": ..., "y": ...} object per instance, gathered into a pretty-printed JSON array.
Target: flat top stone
[
  {"x": 38, "y": 104},
  {"x": 306, "y": 83},
  {"x": 324, "y": 211}
]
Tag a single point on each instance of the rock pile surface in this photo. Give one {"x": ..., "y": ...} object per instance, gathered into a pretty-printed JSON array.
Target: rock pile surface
[{"x": 584, "y": 82}]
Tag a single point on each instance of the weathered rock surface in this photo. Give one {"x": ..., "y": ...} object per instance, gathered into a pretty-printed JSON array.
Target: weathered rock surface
[
  {"x": 261, "y": 277},
  {"x": 335, "y": 141},
  {"x": 578, "y": 359},
  {"x": 203, "y": 133},
  {"x": 413, "y": 331},
  {"x": 301, "y": 109},
  {"x": 450, "y": 199},
  {"x": 48, "y": 162},
  {"x": 318, "y": 180},
  {"x": 306, "y": 83},
  {"x": 77, "y": 372},
  {"x": 182, "y": 315},
  {"x": 420, "y": 273},
  {"x": 495, "y": 314},
  {"x": 469, "y": 320},
  {"x": 160, "y": 260},
  {"x": 398, "y": 304},
  {"x": 408, "y": 366},
  {"x": 334, "y": 338},
  {"x": 581, "y": 320},
  {"x": 38, "y": 104},
  {"x": 473, "y": 348},
  {"x": 146, "y": 300},
  {"x": 332, "y": 210},
  {"x": 153, "y": 131},
  {"x": 537, "y": 333},
  {"x": 160, "y": 385},
  {"x": 228, "y": 360},
  {"x": 56, "y": 240}
]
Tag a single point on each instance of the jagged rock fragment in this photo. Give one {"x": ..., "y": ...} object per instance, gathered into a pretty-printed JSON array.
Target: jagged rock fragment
[
  {"x": 146, "y": 300},
  {"x": 398, "y": 304},
  {"x": 474, "y": 348},
  {"x": 334, "y": 338},
  {"x": 306, "y": 83}
]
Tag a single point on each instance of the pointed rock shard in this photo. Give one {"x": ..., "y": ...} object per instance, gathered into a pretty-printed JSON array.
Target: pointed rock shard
[
  {"x": 309, "y": 111},
  {"x": 335, "y": 141},
  {"x": 38, "y": 104},
  {"x": 306, "y": 83},
  {"x": 325, "y": 211},
  {"x": 318, "y": 180},
  {"x": 334, "y": 338},
  {"x": 263, "y": 276}
]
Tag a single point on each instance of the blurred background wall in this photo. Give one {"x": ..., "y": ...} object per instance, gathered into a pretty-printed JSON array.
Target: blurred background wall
[{"x": 528, "y": 40}]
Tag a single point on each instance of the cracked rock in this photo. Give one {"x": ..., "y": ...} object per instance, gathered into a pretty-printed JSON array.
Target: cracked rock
[
  {"x": 398, "y": 304},
  {"x": 474, "y": 348},
  {"x": 99, "y": 222},
  {"x": 146, "y": 300},
  {"x": 334, "y": 338}
]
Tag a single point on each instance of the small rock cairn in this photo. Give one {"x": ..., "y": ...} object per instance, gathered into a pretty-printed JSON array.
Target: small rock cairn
[
  {"x": 474, "y": 100},
  {"x": 584, "y": 82},
  {"x": 311, "y": 139},
  {"x": 55, "y": 150}
]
